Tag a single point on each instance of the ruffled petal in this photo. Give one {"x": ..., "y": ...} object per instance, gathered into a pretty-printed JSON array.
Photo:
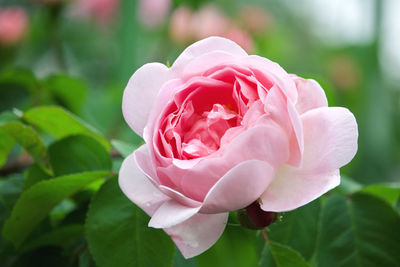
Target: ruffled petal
[
  {"x": 330, "y": 138},
  {"x": 239, "y": 187},
  {"x": 141, "y": 92},
  {"x": 199, "y": 233},
  {"x": 205, "y": 46},
  {"x": 138, "y": 188},
  {"x": 310, "y": 95},
  {"x": 171, "y": 213}
]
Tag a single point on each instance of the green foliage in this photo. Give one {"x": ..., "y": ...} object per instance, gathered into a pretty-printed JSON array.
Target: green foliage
[
  {"x": 123, "y": 147},
  {"x": 36, "y": 202},
  {"x": 118, "y": 234},
  {"x": 359, "y": 231},
  {"x": 78, "y": 153},
  {"x": 60, "y": 123},
  {"x": 28, "y": 138},
  {"x": 275, "y": 254}
]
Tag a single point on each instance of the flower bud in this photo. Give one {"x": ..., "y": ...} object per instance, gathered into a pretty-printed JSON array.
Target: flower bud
[{"x": 253, "y": 217}]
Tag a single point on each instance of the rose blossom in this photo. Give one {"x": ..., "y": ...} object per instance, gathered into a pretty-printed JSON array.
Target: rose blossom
[
  {"x": 224, "y": 129},
  {"x": 13, "y": 25},
  {"x": 152, "y": 13}
]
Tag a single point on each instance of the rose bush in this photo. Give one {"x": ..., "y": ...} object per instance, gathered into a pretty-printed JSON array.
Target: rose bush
[{"x": 223, "y": 129}]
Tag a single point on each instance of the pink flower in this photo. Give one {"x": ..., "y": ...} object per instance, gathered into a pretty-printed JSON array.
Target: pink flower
[
  {"x": 13, "y": 25},
  {"x": 224, "y": 129},
  {"x": 209, "y": 21},
  {"x": 180, "y": 25},
  {"x": 240, "y": 37},
  {"x": 102, "y": 11},
  {"x": 152, "y": 13}
]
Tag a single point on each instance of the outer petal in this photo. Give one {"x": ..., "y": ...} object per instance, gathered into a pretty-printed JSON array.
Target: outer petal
[
  {"x": 238, "y": 188},
  {"x": 171, "y": 213},
  {"x": 330, "y": 137},
  {"x": 310, "y": 95},
  {"x": 198, "y": 234},
  {"x": 205, "y": 46},
  {"x": 141, "y": 92},
  {"x": 138, "y": 188},
  {"x": 292, "y": 189}
]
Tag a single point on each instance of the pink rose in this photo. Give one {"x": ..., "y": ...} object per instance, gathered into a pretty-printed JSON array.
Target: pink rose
[
  {"x": 101, "y": 11},
  {"x": 224, "y": 129},
  {"x": 13, "y": 25}
]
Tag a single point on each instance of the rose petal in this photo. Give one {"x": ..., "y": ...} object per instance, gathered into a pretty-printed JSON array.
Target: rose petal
[
  {"x": 239, "y": 187},
  {"x": 311, "y": 95},
  {"x": 205, "y": 46},
  {"x": 198, "y": 234},
  {"x": 266, "y": 142},
  {"x": 138, "y": 188},
  {"x": 330, "y": 138},
  {"x": 292, "y": 189},
  {"x": 171, "y": 213},
  {"x": 140, "y": 93}
]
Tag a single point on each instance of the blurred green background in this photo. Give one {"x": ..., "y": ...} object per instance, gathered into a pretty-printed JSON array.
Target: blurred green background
[{"x": 80, "y": 54}]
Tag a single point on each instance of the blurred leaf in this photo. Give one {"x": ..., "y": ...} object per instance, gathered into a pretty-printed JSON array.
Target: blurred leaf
[
  {"x": 118, "y": 234},
  {"x": 387, "y": 192},
  {"x": 123, "y": 147},
  {"x": 58, "y": 237},
  {"x": 67, "y": 91},
  {"x": 180, "y": 261},
  {"x": 33, "y": 175},
  {"x": 347, "y": 186},
  {"x": 27, "y": 137},
  {"x": 360, "y": 231},
  {"x": 15, "y": 88},
  {"x": 298, "y": 228},
  {"x": 236, "y": 247},
  {"x": 78, "y": 153},
  {"x": 36, "y": 202},
  {"x": 6, "y": 144},
  {"x": 10, "y": 189},
  {"x": 275, "y": 254},
  {"x": 61, "y": 123}
]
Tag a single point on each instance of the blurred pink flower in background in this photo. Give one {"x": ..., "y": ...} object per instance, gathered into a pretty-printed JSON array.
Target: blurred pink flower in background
[
  {"x": 255, "y": 19},
  {"x": 102, "y": 11},
  {"x": 180, "y": 25},
  {"x": 13, "y": 25},
  {"x": 240, "y": 37},
  {"x": 209, "y": 21},
  {"x": 187, "y": 26},
  {"x": 152, "y": 13}
]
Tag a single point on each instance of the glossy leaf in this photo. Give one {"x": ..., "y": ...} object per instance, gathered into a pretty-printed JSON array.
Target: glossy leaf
[
  {"x": 78, "y": 153},
  {"x": 68, "y": 91},
  {"x": 275, "y": 254},
  {"x": 298, "y": 229},
  {"x": 61, "y": 123},
  {"x": 28, "y": 138},
  {"x": 359, "y": 231},
  {"x": 35, "y": 203},
  {"x": 118, "y": 234}
]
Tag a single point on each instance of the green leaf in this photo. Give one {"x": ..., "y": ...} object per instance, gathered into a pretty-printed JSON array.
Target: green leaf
[
  {"x": 33, "y": 175},
  {"x": 67, "y": 91},
  {"x": 298, "y": 229},
  {"x": 58, "y": 237},
  {"x": 61, "y": 123},
  {"x": 118, "y": 234},
  {"x": 27, "y": 137},
  {"x": 236, "y": 247},
  {"x": 275, "y": 254},
  {"x": 78, "y": 153},
  {"x": 347, "y": 186},
  {"x": 6, "y": 144},
  {"x": 35, "y": 203},
  {"x": 10, "y": 189},
  {"x": 359, "y": 231},
  {"x": 123, "y": 147},
  {"x": 15, "y": 88},
  {"x": 388, "y": 192}
]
